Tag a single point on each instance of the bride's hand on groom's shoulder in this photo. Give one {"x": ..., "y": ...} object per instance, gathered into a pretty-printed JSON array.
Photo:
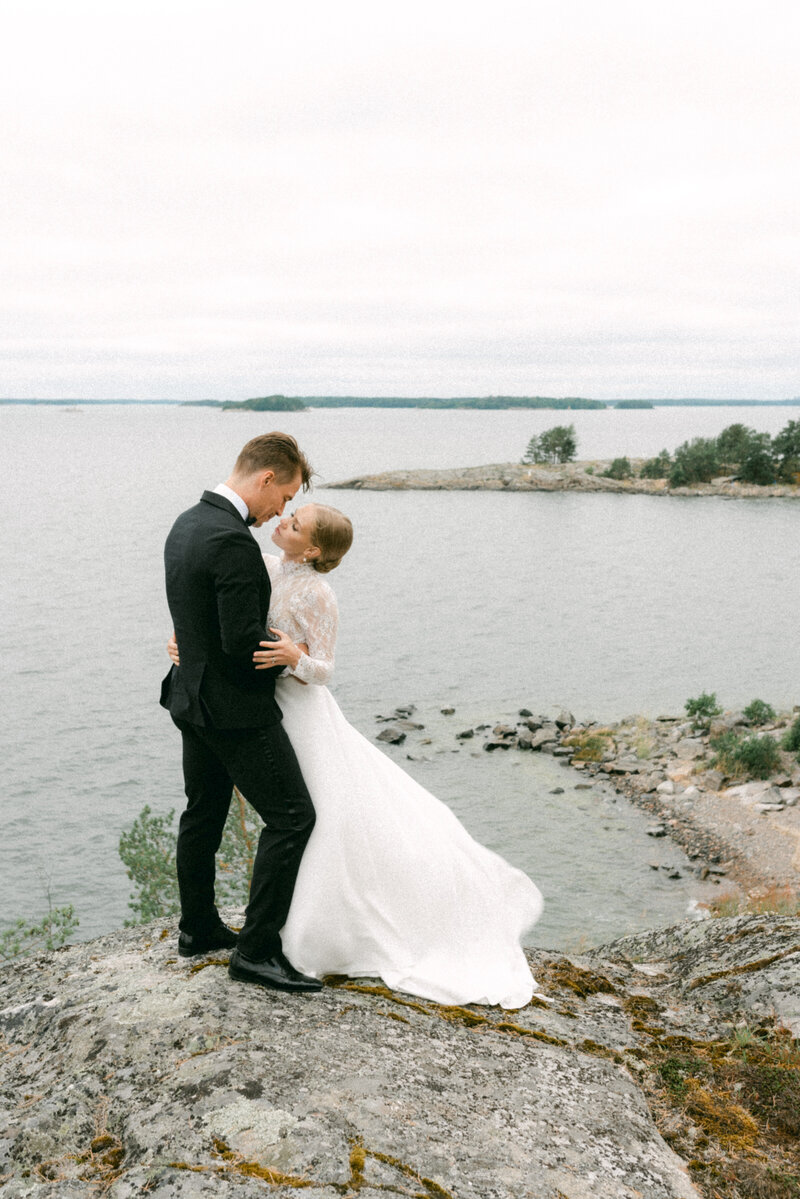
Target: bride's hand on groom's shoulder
[{"x": 282, "y": 652}]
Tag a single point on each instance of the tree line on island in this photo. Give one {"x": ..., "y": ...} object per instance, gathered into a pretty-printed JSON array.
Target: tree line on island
[
  {"x": 283, "y": 403},
  {"x": 739, "y": 451}
]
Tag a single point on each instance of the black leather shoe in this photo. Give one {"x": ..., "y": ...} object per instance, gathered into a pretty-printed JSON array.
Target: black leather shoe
[
  {"x": 275, "y": 971},
  {"x": 221, "y": 937}
]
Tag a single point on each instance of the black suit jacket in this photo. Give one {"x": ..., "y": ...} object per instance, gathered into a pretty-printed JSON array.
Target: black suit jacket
[{"x": 218, "y": 592}]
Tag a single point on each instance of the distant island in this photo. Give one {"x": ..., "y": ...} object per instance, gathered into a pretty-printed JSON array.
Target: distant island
[
  {"x": 282, "y": 403},
  {"x": 570, "y": 402},
  {"x": 265, "y": 404}
]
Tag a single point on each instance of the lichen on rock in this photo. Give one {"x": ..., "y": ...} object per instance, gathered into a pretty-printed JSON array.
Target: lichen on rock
[{"x": 125, "y": 1070}]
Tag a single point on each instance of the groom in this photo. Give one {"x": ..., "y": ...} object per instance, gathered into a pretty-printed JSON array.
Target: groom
[{"x": 218, "y": 592}]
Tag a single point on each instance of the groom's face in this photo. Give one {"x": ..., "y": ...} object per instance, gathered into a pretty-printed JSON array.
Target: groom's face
[{"x": 273, "y": 496}]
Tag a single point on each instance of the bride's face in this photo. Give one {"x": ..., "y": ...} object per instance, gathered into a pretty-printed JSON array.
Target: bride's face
[{"x": 293, "y": 534}]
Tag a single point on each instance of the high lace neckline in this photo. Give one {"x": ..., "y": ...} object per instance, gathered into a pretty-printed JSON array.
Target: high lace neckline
[{"x": 294, "y": 567}]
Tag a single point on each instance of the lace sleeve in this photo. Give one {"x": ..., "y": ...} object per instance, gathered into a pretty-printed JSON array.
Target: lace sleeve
[{"x": 317, "y": 613}]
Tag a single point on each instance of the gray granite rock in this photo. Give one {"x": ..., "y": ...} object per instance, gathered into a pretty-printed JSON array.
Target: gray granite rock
[
  {"x": 690, "y": 748},
  {"x": 127, "y": 1070},
  {"x": 392, "y": 735},
  {"x": 544, "y": 736}
]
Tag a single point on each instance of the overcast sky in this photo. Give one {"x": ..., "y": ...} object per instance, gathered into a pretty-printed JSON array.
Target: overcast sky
[{"x": 223, "y": 200}]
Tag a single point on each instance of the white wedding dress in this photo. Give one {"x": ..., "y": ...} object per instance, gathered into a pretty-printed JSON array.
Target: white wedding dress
[{"x": 391, "y": 884}]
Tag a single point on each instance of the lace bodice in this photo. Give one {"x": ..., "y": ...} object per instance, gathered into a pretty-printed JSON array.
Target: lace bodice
[{"x": 304, "y": 607}]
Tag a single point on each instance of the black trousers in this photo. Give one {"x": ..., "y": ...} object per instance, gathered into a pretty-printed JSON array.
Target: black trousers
[{"x": 262, "y": 764}]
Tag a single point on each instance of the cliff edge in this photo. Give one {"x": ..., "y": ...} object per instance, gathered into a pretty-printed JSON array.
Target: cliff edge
[{"x": 125, "y": 1070}]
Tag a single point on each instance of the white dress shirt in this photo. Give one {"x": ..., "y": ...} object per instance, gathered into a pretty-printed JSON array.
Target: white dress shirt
[{"x": 235, "y": 499}]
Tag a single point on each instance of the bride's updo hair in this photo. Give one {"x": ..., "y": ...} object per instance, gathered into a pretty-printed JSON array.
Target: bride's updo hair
[{"x": 332, "y": 534}]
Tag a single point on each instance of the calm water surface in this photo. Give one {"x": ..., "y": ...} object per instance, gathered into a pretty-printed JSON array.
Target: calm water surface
[{"x": 607, "y": 604}]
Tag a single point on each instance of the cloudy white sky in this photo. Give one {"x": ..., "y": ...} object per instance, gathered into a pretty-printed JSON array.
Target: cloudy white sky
[{"x": 442, "y": 198}]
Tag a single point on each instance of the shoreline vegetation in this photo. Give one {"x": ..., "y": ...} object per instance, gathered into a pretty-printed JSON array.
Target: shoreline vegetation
[
  {"x": 723, "y": 785},
  {"x": 732, "y": 464},
  {"x": 587, "y": 475}
]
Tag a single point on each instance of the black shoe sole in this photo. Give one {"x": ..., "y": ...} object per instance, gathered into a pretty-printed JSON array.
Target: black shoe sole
[{"x": 245, "y": 976}]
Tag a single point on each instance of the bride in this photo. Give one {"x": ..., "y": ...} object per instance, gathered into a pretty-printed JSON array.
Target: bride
[{"x": 391, "y": 885}]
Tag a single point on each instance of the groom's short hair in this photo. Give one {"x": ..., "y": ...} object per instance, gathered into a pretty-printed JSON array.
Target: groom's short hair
[{"x": 278, "y": 452}]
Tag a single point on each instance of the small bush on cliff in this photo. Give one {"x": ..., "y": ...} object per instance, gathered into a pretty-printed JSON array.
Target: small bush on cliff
[
  {"x": 696, "y": 461},
  {"x": 558, "y": 444},
  {"x": 148, "y": 851},
  {"x": 658, "y": 467},
  {"x": 702, "y": 709},
  {"x": 759, "y": 712},
  {"x": 751, "y": 757},
  {"x": 620, "y": 468},
  {"x": 23, "y": 938}
]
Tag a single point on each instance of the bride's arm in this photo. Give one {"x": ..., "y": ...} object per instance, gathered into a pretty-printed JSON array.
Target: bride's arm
[
  {"x": 317, "y": 614},
  {"x": 320, "y": 622}
]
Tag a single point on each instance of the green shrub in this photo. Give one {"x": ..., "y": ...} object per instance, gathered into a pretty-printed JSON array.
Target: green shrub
[
  {"x": 23, "y": 938},
  {"x": 658, "y": 467},
  {"x": 758, "y": 464},
  {"x": 788, "y": 470},
  {"x": 725, "y": 748},
  {"x": 696, "y": 461},
  {"x": 733, "y": 444},
  {"x": 702, "y": 709},
  {"x": 791, "y": 738},
  {"x": 147, "y": 850},
  {"x": 558, "y": 444},
  {"x": 786, "y": 451},
  {"x": 759, "y": 756},
  {"x": 759, "y": 712},
  {"x": 752, "y": 757},
  {"x": 620, "y": 468}
]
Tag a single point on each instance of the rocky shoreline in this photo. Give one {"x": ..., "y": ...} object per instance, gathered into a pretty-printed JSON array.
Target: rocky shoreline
[
  {"x": 747, "y": 832},
  {"x": 570, "y": 476}
]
